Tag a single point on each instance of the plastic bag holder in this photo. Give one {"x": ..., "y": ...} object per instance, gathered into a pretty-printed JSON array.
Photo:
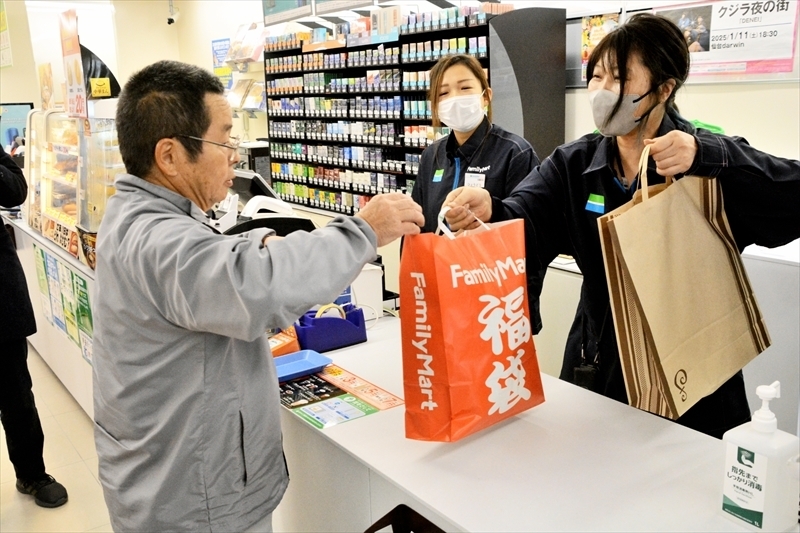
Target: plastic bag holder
[{"x": 327, "y": 333}]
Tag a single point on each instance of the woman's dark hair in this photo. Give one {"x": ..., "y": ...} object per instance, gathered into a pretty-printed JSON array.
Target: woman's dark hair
[
  {"x": 163, "y": 100},
  {"x": 437, "y": 74},
  {"x": 657, "y": 41}
]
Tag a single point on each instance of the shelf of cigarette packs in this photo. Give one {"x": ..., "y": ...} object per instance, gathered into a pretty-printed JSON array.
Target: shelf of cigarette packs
[
  {"x": 449, "y": 19},
  {"x": 428, "y": 41},
  {"x": 358, "y": 132},
  {"x": 355, "y": 117},
  {"x": 294, "y": 60},
  {"x": 332, "y": 188},
  {"x": 388, "y": 119},
  {"x": 334, "y": 72}
]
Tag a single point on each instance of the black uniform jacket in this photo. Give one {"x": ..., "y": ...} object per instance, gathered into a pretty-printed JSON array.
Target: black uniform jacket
[
  {"x": 503, "y": 158},
  {"x": 16, "y": 313},
  {"x": 760, "y": 194}
]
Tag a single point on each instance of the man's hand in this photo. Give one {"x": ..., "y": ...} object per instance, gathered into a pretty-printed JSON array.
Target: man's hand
[
  {"x": 270, "y": 238},
  {"x": 391, "y": 216},
  {"x": 673, "y": 153},
  {"x": 467, "y": 203}
]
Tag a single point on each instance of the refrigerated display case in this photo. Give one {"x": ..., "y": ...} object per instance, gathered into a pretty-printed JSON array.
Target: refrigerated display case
[
  {"x": 60, "y": 180},
  {"x": 103, "y": 163},
  {"x": 71, "y": 169}
]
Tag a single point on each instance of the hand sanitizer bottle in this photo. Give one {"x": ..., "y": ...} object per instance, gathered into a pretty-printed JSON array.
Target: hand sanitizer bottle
[{"x": 762, "y": 476}]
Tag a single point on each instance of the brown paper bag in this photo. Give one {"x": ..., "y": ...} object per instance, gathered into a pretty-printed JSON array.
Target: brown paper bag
[{"x": 685, "y": 315}]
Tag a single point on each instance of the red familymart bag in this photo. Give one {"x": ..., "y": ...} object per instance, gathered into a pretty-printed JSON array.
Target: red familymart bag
[{"x": 468, "y": 354}]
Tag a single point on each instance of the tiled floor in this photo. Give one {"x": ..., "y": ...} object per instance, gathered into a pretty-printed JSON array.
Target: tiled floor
[{"x": 69, "y": 456}]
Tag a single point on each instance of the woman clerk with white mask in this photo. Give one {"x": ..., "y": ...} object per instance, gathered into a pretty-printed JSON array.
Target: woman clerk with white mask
[{"x": 477, "y": 153}]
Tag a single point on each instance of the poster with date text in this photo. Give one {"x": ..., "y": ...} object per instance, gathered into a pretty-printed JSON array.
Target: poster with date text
[{"x": 736, "y": 37}]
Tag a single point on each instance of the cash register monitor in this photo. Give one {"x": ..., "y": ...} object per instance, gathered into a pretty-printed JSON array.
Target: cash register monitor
[{"x": 248, "y": 184}]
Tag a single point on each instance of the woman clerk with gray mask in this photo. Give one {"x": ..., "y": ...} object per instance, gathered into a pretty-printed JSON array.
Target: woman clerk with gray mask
[
  {"x": 476, "y": 153},
  {"x": 635, "y": 72}
]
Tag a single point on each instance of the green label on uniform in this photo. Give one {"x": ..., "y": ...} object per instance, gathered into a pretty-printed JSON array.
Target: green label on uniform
[
  {"x": 596, "y": 204},
  {"x": 437, "y": 176}
]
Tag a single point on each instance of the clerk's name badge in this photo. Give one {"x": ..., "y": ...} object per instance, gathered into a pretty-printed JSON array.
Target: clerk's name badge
[
  {"x": 437, "y": 176},
  {"x": 472, "y": 179}
]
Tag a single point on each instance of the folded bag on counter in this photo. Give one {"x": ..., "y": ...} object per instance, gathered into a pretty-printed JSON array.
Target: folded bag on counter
[
  {"x": 685, "y": 315},
  {"x": 468, "y": 355}
]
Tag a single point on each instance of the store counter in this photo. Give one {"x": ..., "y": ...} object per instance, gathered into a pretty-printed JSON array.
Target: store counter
[
  {"x": 68, "y": 356},
  {"x": 578, "y": 462}
]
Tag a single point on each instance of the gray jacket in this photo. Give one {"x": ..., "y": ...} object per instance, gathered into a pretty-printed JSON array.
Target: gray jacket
[{"x": 186, "y": 396}]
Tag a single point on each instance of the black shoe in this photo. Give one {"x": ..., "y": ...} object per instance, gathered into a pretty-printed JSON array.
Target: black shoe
[{"x": 47, "y": 491}]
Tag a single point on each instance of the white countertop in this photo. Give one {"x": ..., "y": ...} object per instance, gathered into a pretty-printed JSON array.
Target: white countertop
[
  {"x": 565, "y": 262},
  {"x": 789, "y": 253},
  {"x": 579, "y": 461}
]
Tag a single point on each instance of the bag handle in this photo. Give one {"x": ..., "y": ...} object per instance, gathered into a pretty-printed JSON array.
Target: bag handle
[
  {"x": 442, "y": 227},
  {"x": 643, "y": 173}
]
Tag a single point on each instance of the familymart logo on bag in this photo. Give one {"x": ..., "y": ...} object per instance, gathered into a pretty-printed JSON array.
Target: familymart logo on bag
[
  {"x": 506, "y": 326},
  {"x": 422, "y": 332},
  {"x": 485, "y": 274}
]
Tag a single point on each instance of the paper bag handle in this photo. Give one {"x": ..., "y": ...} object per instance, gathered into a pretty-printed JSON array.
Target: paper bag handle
[
  {"x": 643, "y": 173},
  {"x": 442, "y": 227}
]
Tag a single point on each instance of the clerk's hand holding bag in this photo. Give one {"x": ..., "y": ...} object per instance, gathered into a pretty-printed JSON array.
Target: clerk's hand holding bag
[
  {"x": 662, "y": 249},
  {"x": 469, "y": 359}
]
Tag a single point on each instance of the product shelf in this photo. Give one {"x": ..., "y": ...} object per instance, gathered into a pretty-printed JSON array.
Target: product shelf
[
  {"x": 327, "y": 45},
  {"x": 69, "y": 179},
  {"x": 348, "y": 102}
]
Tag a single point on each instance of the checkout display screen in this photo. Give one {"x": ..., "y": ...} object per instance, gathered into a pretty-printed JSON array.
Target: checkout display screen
[{"x": 248, "y": 184}]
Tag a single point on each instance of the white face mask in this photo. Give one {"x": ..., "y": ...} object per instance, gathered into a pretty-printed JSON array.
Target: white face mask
[
  {"x": 603, "y": 102},
  {"x": 462, "y": 113}
]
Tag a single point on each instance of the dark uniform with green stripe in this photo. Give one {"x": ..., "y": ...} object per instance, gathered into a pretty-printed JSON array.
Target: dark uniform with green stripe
[{"x": 561, "y": 200}]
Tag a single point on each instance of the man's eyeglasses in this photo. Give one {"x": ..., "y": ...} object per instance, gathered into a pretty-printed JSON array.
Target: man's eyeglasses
[{"x": 232, "y": 145}]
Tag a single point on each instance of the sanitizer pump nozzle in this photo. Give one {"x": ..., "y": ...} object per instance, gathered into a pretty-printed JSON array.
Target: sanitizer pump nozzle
[{"x": 764, "y": 420}]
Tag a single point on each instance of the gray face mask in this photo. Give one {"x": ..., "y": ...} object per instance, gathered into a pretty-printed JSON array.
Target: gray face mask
[{"x": 603, "y": 102}]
